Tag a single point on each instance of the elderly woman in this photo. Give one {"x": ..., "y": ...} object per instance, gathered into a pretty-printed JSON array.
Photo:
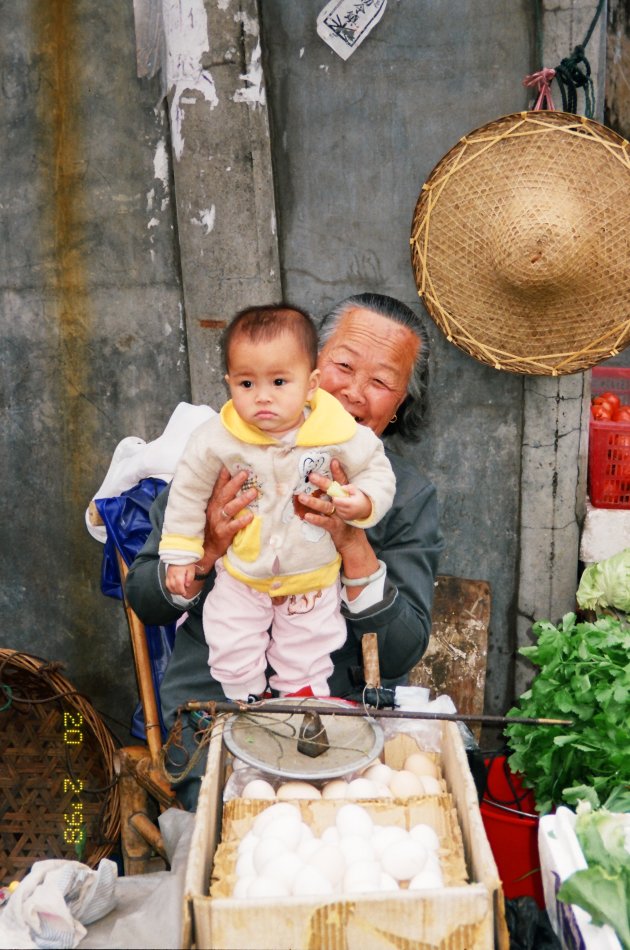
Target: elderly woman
[{"x": 373, "y": 358}]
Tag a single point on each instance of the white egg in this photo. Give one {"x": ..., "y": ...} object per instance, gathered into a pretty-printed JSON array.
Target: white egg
[
  {"x": 431, "y": 785},
  {"x": 378, "y": 772},
  {"x": 308, "y": 847},
  {"x": 364, "y": 876},
  {"x": 336, "y": 788},
  {"x": 421, "y": 764},
  {"x": 426, "y": 835},
  {"x": 405, "y": 860},
  {"x": 331, "y": 835},
  {"x": 426, "y": 879},
  {"x": 387, "y": 836},
  {"x": 283, "y": 868},
  {"x": 266, "y": 849},
  {"x": 248, "y": 843},
  {"x": 356, "y": 848},
  {"x": 361, "y": 788},
  {"x": 242, "y": 886},
  {"x": 433, "y": 863},
  {"x": 329, "y": 860},
  {"x": 405, "y": 784},
  {"x": 288, "y": 829},
  {"x": 310, "y": 880},
  {"x": 305, "y": 832},
  {"x": 352, "y": 819},
  {"x": 258, "y": 788},
  {"x": 297, "y": 790},
  {"x": 245, "y": 864},
  {"x": 267, "y": 887},
  {"x": 388, "y": 883},
  {"x": 382, "y": 791},
  {"x": 272, "y": 812}
]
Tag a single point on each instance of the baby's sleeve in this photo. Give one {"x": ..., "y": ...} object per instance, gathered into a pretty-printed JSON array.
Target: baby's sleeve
[
  {"x": 369, "y": 469},
  {"x": 185, "y": 516}
]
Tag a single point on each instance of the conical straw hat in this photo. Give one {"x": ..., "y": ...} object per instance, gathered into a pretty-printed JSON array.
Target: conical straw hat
[{"x": 520, "y": 243}]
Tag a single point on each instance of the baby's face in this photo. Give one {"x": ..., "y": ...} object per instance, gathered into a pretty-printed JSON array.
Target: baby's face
[{"x": 270, "y": 382}]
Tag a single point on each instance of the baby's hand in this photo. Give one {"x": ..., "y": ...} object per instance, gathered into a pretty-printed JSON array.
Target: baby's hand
[
  {"x": 351, "y": 503},
  {"x": 178, "y": 577}
]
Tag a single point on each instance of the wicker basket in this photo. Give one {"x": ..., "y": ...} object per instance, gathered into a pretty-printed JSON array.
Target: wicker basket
[
  {"x": 58, "y": 789},
  {"x": 520, "y": 243}
]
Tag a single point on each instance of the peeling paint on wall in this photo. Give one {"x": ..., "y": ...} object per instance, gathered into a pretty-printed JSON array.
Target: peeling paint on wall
[
  {"x": 206, "y": 219},
  {"x": 250, "y": 24},
  {"x": 160, "y": 164},
  {"x": 160, "y": 174},
  {"x": 186, "y": 40},
  {"x": 254, "y": 91}
]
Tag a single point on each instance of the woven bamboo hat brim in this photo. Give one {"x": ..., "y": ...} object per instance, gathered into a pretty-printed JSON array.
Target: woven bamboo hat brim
[{"x": 520, "y": 243}]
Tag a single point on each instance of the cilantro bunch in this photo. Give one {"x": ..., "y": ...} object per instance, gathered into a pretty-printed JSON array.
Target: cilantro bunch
[{"x": 584, "y": 676}]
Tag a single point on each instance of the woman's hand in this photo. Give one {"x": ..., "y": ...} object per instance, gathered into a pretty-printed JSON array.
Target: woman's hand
[
  {"x": 322, "y": 510},
  {"x": 225, "y": 516},
  {"x": 224, "y": 519},
  {"x": 357, "y": 555}
]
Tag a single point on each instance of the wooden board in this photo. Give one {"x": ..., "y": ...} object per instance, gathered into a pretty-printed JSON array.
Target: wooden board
[{"x": 456, "y": 658}]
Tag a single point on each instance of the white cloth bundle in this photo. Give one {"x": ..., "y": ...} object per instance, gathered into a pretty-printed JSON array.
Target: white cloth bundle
[
  {"x": 51, "y": 905},
  {"x": 135, "y": 459}
]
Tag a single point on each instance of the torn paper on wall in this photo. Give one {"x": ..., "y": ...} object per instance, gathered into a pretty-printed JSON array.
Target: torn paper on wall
[{"x": 344, "y": 24}]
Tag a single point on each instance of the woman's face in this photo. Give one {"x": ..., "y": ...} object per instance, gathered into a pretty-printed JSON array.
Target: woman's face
[{"x": 366, "y": 364}]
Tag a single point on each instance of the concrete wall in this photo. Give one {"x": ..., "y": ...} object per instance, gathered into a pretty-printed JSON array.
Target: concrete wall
[
  {"x": 91, "y": 318},
  {"x": 95, "y": 316},
  {"x": 353, "y": 143}
]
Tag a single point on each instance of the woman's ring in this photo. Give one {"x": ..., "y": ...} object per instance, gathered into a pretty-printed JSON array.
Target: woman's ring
[
  {"x": 225, "y": 514},
  {"x": 332, "y": 511}
]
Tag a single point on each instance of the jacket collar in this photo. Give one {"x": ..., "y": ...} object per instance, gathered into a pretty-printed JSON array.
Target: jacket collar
[{"x": 327, "y": 423}]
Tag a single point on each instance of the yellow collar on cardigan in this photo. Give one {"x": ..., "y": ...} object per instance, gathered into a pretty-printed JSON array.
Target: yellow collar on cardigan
[{"x": 328, "y": 423}]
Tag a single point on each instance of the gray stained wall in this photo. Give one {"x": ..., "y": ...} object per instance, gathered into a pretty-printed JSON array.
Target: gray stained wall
[
  {"x": 93, "y": 317},
  {"x": 92, "y": 336}
]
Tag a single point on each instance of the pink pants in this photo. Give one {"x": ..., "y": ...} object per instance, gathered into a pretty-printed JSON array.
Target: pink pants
[{"x": 306, "y": 628}]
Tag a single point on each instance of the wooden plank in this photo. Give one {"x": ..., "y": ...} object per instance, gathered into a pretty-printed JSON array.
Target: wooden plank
[
  {"x": 456, "y": 659},
  {"x": 617, "y": 104}
]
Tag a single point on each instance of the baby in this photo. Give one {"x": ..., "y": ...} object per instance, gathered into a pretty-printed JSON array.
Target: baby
[{"x": 280, "y": 574}]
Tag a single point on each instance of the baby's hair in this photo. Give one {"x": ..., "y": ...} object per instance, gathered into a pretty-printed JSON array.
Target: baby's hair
[{"x": 261, "y": 324}]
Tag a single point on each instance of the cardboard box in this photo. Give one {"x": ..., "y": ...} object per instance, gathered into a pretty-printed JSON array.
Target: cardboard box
[{"x": 469, "y": 916}]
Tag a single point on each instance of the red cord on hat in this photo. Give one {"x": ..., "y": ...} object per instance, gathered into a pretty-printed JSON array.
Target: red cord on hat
[{"x": 542, "y": 79}]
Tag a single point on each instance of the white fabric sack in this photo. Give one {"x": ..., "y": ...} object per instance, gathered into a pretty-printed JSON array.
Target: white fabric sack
[
  {"x": 135, "y": 459},
  {"x": 51, "y": 905}
]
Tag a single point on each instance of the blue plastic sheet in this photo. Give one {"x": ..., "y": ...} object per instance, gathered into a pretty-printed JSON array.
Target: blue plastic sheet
[{"x": 126, "y": 518}]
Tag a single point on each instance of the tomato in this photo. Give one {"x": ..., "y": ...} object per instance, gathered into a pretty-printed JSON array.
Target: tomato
[
  {"x": 612, "y": 398},
  {"x": 602, "y": 411},
  {"x": 622, "y": 414}
]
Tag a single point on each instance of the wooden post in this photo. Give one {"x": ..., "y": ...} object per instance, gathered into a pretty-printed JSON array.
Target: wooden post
[{"x": 371, "y": 666}]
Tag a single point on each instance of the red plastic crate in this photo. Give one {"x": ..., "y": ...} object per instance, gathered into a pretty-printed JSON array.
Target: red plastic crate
[{"x": 609, "y": 444}]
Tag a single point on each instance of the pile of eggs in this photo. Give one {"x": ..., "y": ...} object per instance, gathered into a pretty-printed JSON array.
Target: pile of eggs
[
  {"x": 280, "y": 856},
  {"x": 418, "y": 776}
]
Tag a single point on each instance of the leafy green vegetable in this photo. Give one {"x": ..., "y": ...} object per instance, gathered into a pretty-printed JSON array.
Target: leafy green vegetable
[
  {"x": 602, "y": 889},
  {"x": 584, "y": 676},
  {"x": 606, "y": 584}
]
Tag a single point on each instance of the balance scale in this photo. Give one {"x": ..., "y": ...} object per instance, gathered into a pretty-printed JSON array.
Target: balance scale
[{"x": 293, "y": 745}]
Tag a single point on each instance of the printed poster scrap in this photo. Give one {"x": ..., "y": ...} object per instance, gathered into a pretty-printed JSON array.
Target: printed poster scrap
[{"x": 344, "y": 24}]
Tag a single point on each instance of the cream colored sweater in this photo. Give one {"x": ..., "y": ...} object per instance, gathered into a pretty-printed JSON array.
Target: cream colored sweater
[{"x": 278, "y": 551}]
